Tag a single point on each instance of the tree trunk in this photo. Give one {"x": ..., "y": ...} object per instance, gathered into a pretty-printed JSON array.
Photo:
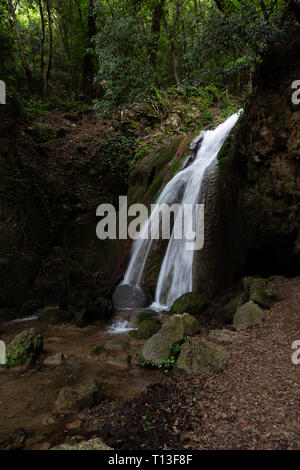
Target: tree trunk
[
  {"x": 157, "y": 17},
  {"x": 20, "y": 44},
  {"x": 172, "y": 46},
  {"x": 42, "y": 43},
  {"x": 88, "y": 68},
  {"x": 50, "y": 58}
]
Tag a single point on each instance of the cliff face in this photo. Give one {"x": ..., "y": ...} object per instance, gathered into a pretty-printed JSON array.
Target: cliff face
[{"x": 257, "y": 207}]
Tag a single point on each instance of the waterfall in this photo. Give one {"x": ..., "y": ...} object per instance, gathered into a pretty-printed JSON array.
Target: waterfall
[{"x": 176, "y": 272}]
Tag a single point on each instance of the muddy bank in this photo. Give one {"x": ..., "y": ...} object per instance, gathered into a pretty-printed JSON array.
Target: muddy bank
[{"x": 28, "y": 394}]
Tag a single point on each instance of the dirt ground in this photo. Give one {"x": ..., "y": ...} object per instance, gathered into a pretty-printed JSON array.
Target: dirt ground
[{"x": 253, "y": 404}]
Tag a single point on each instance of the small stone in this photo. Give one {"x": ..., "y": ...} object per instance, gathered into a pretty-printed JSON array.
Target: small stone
[
  {"x": 72, "y": 399},
  {"x": 226, "y": 336},
  {"x": 92, "y": 444},
  {"x": 55, "y": 360},
  {"x": 74, "y": 425},
  {"x": 48, "y": 420}
]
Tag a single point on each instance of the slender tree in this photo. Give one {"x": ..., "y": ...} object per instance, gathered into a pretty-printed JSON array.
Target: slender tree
[{"x": 20, "y": 43}]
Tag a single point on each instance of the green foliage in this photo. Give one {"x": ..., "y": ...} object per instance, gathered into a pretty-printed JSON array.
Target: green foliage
[
  {"x": 230, "y": 42},
  {"x": 118, "y": 51},
  {"x": 21, "y": 185},
  {"x": 119, "y": 152},
  {"x": 174, "y": 353},
  {"x": 124, "y": 72}
]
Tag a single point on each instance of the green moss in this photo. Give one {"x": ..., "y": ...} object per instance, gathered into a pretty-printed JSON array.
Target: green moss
[
  {"x": 156, "y": 185},
  {"x": 142, "y": 316},
  {"x": 146, "y": 329},
  {"x": 191, "y": 303},
  {"x": 97, "y": 350},
  {"x": 126, "y": 358},
  {"x": 24, "y": 347}
]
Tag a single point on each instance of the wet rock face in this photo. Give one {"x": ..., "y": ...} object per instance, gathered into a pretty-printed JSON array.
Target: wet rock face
[
  {"x": 127, "y": 296},
  {"x": 263, "y": 160},
  {"x": 252, "y": 201}
]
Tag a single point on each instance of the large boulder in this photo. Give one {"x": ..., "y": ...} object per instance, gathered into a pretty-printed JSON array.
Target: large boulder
[
  {"x": 201, "y": 356},
  {"x": 78, "y": 444},
  {"x": 190, "y": 302},
  {"x": 72, "y": 399},
  {"x": 127, "y": 296},
  {"x": 24, "y": 347},
  {"x": 157, "y": 348},
  {"x": 247, "y": 315}
]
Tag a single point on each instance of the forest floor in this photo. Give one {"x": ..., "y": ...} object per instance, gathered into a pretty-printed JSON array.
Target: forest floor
[{"x": 252, "y": 404}]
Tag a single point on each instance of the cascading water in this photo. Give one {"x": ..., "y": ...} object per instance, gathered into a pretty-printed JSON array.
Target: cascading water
[{"x": 176, "y": 273}]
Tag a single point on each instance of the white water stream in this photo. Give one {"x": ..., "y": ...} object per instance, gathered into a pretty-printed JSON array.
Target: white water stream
[{"x": 176, "y": 272}]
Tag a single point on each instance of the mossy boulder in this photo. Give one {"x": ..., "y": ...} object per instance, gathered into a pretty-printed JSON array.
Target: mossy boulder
[
  {"x": 190, "y": 325},
  {"x": 259, "y": 294},
  {"x": 41, "y": 132},
  {"x": 146, "y": 315},
  {"x": 24, "y": 347},
  {"x": 190, "y": 302},
  {"x": 248, "y": 315},
  {"x": 261, "y": 291},
  {"x": 72, "y": 399},
  {"x": 227, "y": 313},
  {"x": 201, "y": 356},
  {"x": 157, "y": 348},
  {"x": 146, "y": 329}
]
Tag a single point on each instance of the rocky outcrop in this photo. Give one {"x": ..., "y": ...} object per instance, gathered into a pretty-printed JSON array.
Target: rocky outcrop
[{"x": 260, "y": 163}]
